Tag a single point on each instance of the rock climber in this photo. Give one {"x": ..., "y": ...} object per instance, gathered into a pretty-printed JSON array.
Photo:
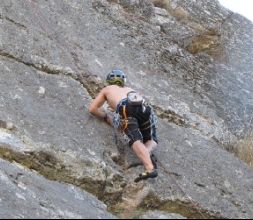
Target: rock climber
[{"x": 135, "y": 118}]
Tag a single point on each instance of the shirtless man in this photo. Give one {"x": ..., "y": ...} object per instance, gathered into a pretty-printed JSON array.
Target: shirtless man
[{"x": 138, "y": 121}]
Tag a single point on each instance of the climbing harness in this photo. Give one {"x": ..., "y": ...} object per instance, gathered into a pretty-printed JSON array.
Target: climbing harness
[
  {"x": 124, "y": 121},
  {"x": 133, "y": 98},
  {"x": 121, "y": 122}
]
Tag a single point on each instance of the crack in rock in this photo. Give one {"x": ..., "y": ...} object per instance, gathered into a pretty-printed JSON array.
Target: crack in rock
[
  {"x": 92, "y": 83},
  {"x": 7, "y": 125},
  {"x": 107, "y": 185},
  {"x": 185, "y": 208},
  {"x": 19, "y": 25}
]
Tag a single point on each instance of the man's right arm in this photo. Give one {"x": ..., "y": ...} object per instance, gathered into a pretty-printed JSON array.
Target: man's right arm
[{"x": 95, "y": 107}]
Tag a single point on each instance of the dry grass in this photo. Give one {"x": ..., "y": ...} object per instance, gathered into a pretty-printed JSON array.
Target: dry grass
[
  {"x": 203, "y": 43},
  {"x": 245, "y": 149}
]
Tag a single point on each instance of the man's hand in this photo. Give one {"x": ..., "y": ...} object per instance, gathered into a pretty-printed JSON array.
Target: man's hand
[
  {"x": 96, "y": 108},
  {"x": 108, "y": 119}
]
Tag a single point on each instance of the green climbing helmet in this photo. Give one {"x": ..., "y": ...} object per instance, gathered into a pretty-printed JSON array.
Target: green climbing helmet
[{"x": 116, "y": 77}]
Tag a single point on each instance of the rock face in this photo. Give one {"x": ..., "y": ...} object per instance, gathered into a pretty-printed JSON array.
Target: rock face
[
  {"x": 25, "y": 194},
  {"x": 192, "y": 60},
  {"x": 161, "y": 215}
]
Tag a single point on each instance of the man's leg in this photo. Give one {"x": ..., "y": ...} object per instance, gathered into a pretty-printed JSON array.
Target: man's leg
[
  {"x": 143, "y": 154},
  {"x": 151, "y": 145}
]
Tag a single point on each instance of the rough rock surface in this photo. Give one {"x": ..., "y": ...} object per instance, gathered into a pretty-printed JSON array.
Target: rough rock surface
[
  {"x": 25, "y": 194},
  {"x": 192, "y": 60},
  {"x": 160, "y": 215}
]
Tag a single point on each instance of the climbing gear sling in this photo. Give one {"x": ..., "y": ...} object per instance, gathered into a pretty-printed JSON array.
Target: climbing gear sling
[
  {"x": 120, "y": 121},
  {"x": 135, "y": 99}
]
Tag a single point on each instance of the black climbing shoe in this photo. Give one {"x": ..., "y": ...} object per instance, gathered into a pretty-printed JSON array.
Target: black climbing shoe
[
  {"x": 154, "y": 161},
  {"x": 146, "y": 175}
]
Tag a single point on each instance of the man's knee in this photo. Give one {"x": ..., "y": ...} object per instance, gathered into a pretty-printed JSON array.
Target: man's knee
[
  {"x": 153, "y": 143},
  {"x": 133, "y": 143},
  {"x": 134, "y": 136}
]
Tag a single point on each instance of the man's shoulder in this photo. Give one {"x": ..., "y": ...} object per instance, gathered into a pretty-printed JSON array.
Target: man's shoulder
[
  {"x": 109, "y": 89},
  {"x": 111, "y": 86},
  {"x": 116, "y": 87}
]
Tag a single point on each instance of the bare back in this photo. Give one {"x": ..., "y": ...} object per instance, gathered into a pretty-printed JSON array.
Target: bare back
[{"x": 114, "y": 94}]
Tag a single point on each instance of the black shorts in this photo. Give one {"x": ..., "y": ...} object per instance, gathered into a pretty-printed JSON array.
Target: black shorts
[{"x": 140, "y": 124}]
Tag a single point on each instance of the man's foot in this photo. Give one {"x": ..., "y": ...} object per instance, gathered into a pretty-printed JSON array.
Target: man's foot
[
  {"x": 146, "y": 175},
  {"x": 154, "y": 161}
]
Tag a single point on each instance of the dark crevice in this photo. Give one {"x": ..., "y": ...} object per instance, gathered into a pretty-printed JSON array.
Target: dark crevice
[
  {"x": 10, "y": 56},
  {"x": 49, "y": 166},
  {"x": 170, "y": 116},
  {"x": 139, "y": 201},
  {"x": 14, "y": 22},
  {"x": 7, "y": 125},
  {"x": 185, "y": 208},
  {"x": 43, "y": 67},
  {"x": 93, "y": 84}
]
